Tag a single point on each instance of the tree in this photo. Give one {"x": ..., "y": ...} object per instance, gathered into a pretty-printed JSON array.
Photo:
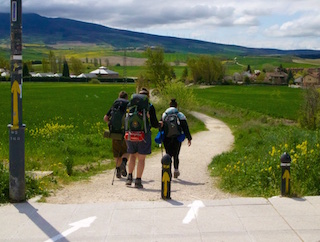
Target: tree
[
  {"x": 184, "y": 75},
  {"x": 45, "y": 65},
  {"x": 95, "y": 62},
  {"x": 206, "y": 69},
  {"x": 25, "y": 70},
  {"x": 281, "y": 69},
  {"x": 60, "y": 63},
  {"x": 52, "y": 62},
  {"x": 4, "y": 63},
  {"x": 65, "y": 70},
  {"x": 106, "y": 61},
  {"x": 157, "y": 71},
  {"x": 76, "y": 66},
  {"x": 290, "y": 77},
  {"x": 249, "y": 69},
  {"x": 310, "y": 109}
]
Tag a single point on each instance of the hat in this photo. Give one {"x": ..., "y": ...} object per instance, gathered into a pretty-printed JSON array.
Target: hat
[{"x": 144, "y": 91}]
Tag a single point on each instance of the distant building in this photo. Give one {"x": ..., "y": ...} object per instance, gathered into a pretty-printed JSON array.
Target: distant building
[
  {"x": 312, "y": 79},
  {"x": 104, "y": 72},
  {"x": 277, "y": 78},
  {"x": 87, "y": 75}
]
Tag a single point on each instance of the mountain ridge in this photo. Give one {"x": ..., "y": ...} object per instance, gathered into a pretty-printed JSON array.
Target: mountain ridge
[{"x": 44, "y": 30}]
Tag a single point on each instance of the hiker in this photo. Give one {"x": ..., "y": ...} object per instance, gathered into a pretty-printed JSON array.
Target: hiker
[
  {"x": 139, "y": 139},
  {"x": 175, "y": 126},
  {"x": 115, "y": 120}
]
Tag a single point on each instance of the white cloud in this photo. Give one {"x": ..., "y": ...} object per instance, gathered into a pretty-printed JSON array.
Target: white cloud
[{"x": 258, "y": 23}]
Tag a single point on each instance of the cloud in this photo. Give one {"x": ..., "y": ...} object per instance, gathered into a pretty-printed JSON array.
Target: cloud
[
  {"x": 273, "y": 22},
  {"x": 306, "y": 26}
]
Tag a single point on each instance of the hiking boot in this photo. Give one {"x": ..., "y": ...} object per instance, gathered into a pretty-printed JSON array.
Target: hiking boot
[
  {"x": 129, "y": 180},
  {"x": 138, "y": 184},
  {"x": 123, "y": 169},
  {"x": 118, "y": 172},
  {"x": 176, "y": 174}
]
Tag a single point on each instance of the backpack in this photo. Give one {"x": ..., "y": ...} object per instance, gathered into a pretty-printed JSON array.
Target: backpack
[
  {"x": 136, "y": 117},
  {"x": 118, "y": 111},
  {"x": 171, "y": 124}
]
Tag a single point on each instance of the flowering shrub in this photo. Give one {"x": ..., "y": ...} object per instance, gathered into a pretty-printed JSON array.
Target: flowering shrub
[
  {"x": 49, "y": 130},
  {"x": 263, "y": 176}
]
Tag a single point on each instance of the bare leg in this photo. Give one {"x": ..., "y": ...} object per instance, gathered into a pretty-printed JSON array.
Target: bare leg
[
  {"x": 117, "y": 161},
  {"x": 141, "y": 164},
  {"x": 132, "y": 163}
]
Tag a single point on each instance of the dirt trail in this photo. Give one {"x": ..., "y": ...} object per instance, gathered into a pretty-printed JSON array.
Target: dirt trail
[{"x": 193, "y": 183}]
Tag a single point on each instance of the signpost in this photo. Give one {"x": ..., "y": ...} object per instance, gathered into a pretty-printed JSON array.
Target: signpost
[{"x": 16, "y": 128}]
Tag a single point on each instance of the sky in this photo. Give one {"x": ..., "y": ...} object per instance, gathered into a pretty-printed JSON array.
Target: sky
[{"x": 279, "y": 24}]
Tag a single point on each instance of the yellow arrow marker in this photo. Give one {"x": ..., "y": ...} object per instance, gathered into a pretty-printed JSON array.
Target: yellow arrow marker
[
  {"x": 165, "y": 179},
  {"x": 286, "y": 176},
  {"x": 15, "y": 89}
]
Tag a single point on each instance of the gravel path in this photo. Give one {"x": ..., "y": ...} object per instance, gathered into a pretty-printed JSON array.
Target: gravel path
[{"x": 193, "y": 183}]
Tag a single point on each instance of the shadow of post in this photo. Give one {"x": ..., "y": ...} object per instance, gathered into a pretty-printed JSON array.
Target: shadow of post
[{"x": 32, "y": 213}]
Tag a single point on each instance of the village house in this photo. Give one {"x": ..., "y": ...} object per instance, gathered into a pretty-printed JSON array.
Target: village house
[
  {"x": 312, "y": 79},
  {"x": 277, "y": 78}
]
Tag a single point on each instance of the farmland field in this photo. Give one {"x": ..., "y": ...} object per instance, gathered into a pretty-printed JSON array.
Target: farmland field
[
  {"x": 275, "y": 101},
  {"x": 65, "y": 121}
]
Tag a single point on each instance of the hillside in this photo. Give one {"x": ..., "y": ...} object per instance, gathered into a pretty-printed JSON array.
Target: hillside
[{"x": 38, "y": 29}]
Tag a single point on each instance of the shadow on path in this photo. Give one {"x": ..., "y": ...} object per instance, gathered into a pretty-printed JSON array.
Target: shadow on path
[{"x": 32, "y": 213}]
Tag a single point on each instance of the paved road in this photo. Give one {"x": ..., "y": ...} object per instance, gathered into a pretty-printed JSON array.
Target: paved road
[{"x": 232, "y": 219}]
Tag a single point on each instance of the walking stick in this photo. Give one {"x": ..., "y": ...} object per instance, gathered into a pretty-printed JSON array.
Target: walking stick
[{"x": 114, "y": 174}]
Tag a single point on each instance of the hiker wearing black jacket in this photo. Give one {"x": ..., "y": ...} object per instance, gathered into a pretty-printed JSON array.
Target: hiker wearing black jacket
[
  {"x": 119, "y": 146},
  {"x": 173, "y": 144}
]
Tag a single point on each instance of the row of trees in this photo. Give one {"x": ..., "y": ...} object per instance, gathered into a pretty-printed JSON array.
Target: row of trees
[{"x": 205, "y": 69}]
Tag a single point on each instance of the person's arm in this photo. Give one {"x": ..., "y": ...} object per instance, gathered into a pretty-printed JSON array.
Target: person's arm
[
  {"x": 153, "y": 117},
  {"x": 107, "y": 116},
  {"x": 185, "y": 128}
]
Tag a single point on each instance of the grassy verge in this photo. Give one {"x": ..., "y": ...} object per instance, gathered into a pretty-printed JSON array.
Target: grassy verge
[
  {"x": 252, "y": 168},
  {"x": 64, "y": 132}
]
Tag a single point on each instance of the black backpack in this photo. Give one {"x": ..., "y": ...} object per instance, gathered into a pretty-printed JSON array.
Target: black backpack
[
  {"x": 171, "y": 124},
  {"x": 118, "y": 111},
  {"x": 136, "y": 117}
]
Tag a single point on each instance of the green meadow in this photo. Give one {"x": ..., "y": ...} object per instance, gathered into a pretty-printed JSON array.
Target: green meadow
[
  {"x": 64, "y": 130},
  {"x": 264, "y": 121},
  {"x": 64, "y": 127}
]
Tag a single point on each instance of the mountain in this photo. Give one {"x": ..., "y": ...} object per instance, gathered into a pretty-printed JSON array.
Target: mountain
[{"x": 39, "y": 29}]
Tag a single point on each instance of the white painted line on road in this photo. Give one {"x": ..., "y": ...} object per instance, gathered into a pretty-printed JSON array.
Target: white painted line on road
[
  {"x": 85, "y": 223},
  {"x": 193, "y": 211}
]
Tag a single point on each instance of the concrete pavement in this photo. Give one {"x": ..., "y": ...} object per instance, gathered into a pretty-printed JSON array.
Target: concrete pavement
[{"x": 234, "y": 219}]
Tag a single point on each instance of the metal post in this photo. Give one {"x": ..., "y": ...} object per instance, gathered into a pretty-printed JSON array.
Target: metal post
[
  {"x": 16, "y": 128},
  {"x": 285, "y": 174}
]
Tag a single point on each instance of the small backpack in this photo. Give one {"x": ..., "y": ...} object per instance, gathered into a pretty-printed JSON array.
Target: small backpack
[
  {"x": 136, "y": 118},
  {"x": 171, "y": 124},
  {"x": 118, "y": 111}
]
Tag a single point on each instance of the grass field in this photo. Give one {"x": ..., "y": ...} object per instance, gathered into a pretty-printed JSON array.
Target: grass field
[
  {"x": 252, "y": 168},
  {"x": 64, "y": 125},
  {"x": 62, "y": 120},
  {"x": 64, "y": 128},
  {"x": 275, "y": 101}
]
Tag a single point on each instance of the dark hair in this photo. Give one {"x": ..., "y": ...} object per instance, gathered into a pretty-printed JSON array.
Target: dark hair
[
  {"x": 144, "y": 91},
  {"x": 123, "y": 94},
  {"x": 173, "y": 103}
]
